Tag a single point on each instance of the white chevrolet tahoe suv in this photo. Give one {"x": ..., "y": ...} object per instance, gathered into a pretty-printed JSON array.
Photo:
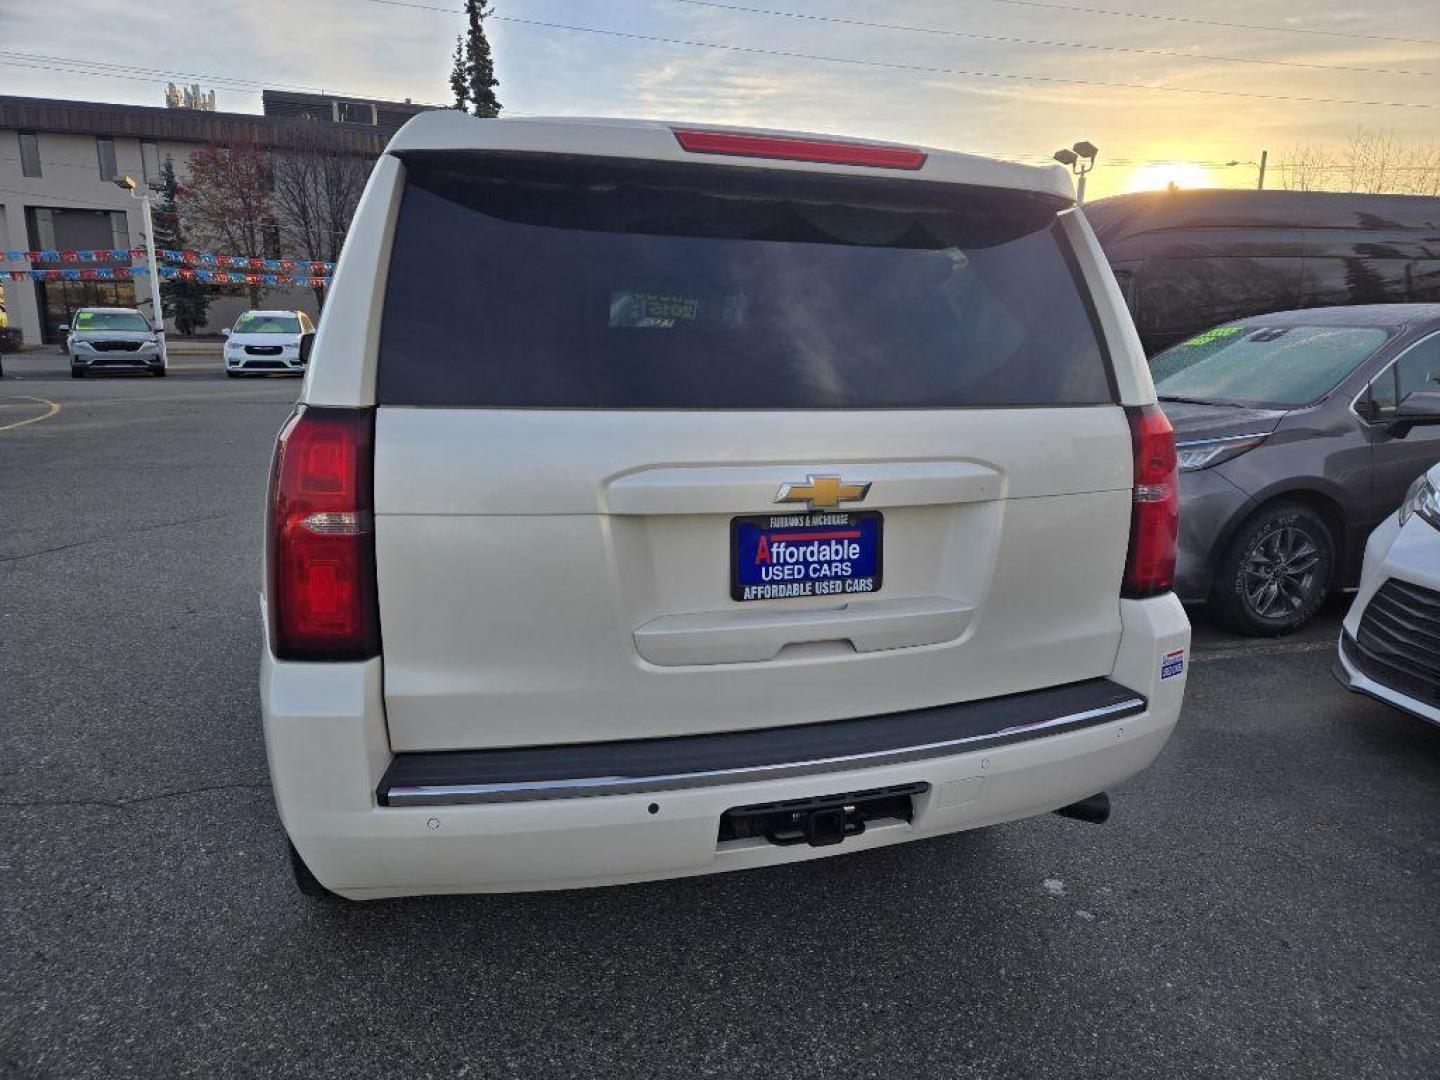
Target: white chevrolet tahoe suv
[{"x": 665, "y": 499}]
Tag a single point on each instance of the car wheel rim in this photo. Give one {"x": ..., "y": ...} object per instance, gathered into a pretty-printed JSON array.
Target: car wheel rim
[{"x": 1280, "y": 573}]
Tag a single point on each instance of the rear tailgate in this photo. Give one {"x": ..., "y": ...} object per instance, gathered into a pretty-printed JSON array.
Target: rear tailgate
[{"x": 584, "y": 427}]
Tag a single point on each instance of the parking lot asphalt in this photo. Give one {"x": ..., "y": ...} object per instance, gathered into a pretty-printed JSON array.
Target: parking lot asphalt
[{"x": 1263, "y": 903}]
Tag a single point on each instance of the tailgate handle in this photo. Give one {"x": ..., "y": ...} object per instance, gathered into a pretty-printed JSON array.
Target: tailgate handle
[
  {"x": 751, "y": 489},
  {"x": 739, "y": 637}
]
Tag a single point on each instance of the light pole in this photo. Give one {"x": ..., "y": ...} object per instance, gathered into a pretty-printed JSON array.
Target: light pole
[
  {"x": 1075, "y": 158},
  {"x": 147, "y": 224}
]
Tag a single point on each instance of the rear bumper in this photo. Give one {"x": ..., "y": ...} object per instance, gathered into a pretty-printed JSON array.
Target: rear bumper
[
  {"x": 670, "y": 765},
  {"x": 328, "y": 752}
]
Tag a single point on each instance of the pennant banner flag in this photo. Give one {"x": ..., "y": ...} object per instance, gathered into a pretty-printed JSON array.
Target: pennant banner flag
[
  {"x": 168, "y": 273},
  {"x": 76, "y": 255},
  {"x": 231, "y": 277},
  {"x": 311, "y": 267}
]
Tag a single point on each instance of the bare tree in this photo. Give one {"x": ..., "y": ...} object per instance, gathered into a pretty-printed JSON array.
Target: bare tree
[
  {"x": 1422, "y": 169},
  {"x": 1305, "y": 168},
  {"x": 226, "y": 201},
  {"x": 1371, "y": 161},
  {"x": 1373, "y": 158},
  {"x": 317, "y": 185}
]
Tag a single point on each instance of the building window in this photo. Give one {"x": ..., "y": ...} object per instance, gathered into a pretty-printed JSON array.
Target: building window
[
  {"x": 119, "y": 230},
  {"x": 29, "y": 153},
  {"x": 350, "y": 112},
  {"x": 150, "y": 163},
  {"x": 105, "y": 149},
  {"x": 43, "y": 234}
]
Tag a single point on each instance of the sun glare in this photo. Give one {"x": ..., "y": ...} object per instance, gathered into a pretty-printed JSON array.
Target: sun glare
[{"x": 1161, "y": 175}]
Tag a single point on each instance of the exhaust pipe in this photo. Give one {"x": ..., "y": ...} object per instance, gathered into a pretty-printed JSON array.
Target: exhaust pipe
[{"x": 1095, "y": 809}]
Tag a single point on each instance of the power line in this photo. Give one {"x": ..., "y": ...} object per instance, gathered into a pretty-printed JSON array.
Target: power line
[
  {"x": 74, "y": 65},
  {"x": 29, "y": 60},
  {"x": 1061, "y": 7},
  {"x": 935, "y": 69},
  {"x": 102, "y": 67},
  {"x": 1005, "y": 39},
  {"x": 1215, "y": 22},
  {"x": 924, "y": 68},
  {"x": 44, "y": 197},
  {"x": 1358, "y": 167}
]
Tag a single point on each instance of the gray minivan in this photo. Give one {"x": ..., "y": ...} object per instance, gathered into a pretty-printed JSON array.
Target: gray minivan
[
  {"x": 113, "y": 339},
  {"x": 1297, "y": 433}
]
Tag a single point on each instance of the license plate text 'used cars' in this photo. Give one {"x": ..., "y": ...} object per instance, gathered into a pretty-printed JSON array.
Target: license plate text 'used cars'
[{"x": 815, "y": 554}]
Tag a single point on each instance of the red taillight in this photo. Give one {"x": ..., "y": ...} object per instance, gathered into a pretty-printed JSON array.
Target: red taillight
[
  {"x": 321, "y": 543},
  {"x": 791, "y": 149},
  {"x": 1155, "y": 517}
]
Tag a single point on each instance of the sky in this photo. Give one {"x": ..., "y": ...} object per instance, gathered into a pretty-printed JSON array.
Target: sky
[{"x": 1170, "y": 90}]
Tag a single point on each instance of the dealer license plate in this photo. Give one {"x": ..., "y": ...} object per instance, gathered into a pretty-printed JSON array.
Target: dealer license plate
[{"x": 777, "y": 556}]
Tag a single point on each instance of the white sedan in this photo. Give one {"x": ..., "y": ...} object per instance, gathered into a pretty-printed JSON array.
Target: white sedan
[
  {"x": 263, "y": 342},
  {"x": 1390, "y": 644}
]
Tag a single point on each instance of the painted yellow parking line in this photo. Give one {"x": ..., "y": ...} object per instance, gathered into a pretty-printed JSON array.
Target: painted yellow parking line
[
  {"x": 252, "y": 397},
  {"x": 53, "y": 408}
]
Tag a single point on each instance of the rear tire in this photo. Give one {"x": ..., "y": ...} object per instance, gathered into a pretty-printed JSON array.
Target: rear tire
[
  {"x": 1276, "y": 571},
  {"x": 305, "y": 881}
]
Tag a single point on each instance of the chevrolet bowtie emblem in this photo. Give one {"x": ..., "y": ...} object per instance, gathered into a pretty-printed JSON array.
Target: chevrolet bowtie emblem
[{"x": 822, "y": 492}]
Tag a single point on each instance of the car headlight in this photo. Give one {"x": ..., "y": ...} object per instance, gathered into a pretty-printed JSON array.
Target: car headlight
[
  {"x": 1422, "y": 501},
  {"x": 82, "y": 344},
  {"x": 1203, "y": 453}
]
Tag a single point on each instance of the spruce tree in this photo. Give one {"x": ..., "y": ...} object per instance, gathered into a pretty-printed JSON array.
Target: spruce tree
[
  {"x": 459, "y": 77},
  {"x": 186, "y": 302},
  {"x": 479, "y": 64}
]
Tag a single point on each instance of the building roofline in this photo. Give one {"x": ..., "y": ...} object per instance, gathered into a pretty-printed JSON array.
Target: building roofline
[
  {"x": 301, "y": 97},
  {"x": 173, "y": 125}
]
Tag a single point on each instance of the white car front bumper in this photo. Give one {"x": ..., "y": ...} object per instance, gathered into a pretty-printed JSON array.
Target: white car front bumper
[
  {"x": 242, "y": 361},
  {"x": 328, "y": 750},
  {"x": 145, "y": 356},
  {"x": 1410, "y": 556}
]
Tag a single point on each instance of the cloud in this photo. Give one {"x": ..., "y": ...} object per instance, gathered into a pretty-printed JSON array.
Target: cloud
[
  {"x": 354, "y": 46},
  {"x": 713, "y": 91}
]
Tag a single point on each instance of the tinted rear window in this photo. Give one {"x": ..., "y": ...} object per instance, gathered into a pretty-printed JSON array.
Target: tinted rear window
[{"x": 575, "y": 283}]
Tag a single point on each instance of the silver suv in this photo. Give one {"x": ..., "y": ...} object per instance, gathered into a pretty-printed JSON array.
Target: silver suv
[
  {"x": 733, "y": 498},
  {"x": 112, "y": 338}
]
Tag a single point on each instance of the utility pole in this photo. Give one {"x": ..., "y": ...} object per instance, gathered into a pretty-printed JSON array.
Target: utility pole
[
  {"x": 1263, "y": 155},
  {"x": 147, "y": 223}
]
